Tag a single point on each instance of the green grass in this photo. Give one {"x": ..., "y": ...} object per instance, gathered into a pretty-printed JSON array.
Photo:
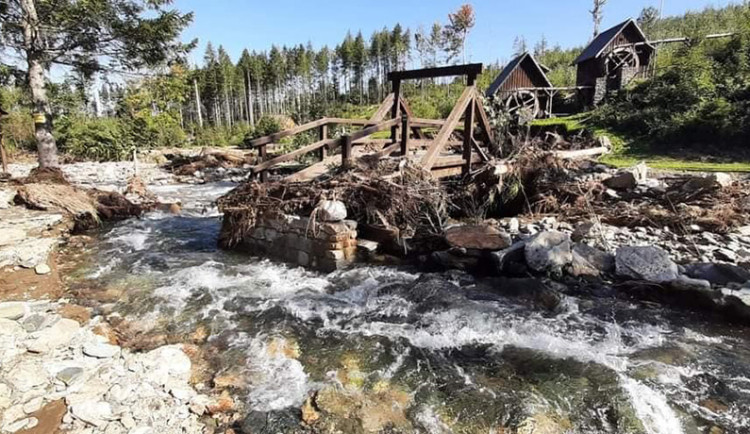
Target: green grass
[
  {"x": 662, "y": 162},
  {"x": 627, "y": 152}
]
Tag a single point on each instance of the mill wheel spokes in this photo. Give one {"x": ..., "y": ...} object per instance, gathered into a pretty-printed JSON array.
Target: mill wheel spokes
[
  {"x": 623, "y": 57},
  {"x": 523, "y": 101}
]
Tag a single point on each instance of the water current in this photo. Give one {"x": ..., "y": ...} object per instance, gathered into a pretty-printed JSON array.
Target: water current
[{"x": 448, "y": 352}]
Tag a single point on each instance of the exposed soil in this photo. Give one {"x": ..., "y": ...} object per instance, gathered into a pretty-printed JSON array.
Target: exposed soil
[{"x": 25, "y": 284}]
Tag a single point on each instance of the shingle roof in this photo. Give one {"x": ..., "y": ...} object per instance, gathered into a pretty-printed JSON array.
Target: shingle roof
[
  {"x": 599, "y": 43},
  {"x": 508, "y": 70}
]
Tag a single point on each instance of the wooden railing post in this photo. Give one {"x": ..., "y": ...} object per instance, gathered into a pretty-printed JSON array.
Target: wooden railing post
[
  {"x": 468, "y": 137},
  {"x": 405, "y": 130},
  {"x": 263, "y": 154},
  {"x": 396, "y": 109},
  {"x": 323, "y": 136},
  {"x": 346, "y": 151}
]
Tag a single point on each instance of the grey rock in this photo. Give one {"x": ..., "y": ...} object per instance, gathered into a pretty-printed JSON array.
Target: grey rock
[
  {"x": 69, "y": 375},
  {"x": 649, "y": 263},
  {"x": 331, "y": 211},
  {"x": 100, "y": 350},
  {"x": 718, "y": 274},
  {"x": 549, "y": 252},
  {"x": 725, "y": 255},
  {"x": 6, "y": 198},
  {"x": 96, "y": 413},
  {"x": 621, "y": 181},
  {"x": 9, "y": 236},
  {"x": 13, "y": 310},
  {"x": 588, "y": 261},
  {"x": 503, "y": 258},
  {"x": 688, "y": 284},
  {"x": 744, "y": 231},
  {"x": 514, "y": 226},
  {"x": 57, "y": 335},
  {"x": 723, "y": 180},
  {"x": 34, "y": 322}
]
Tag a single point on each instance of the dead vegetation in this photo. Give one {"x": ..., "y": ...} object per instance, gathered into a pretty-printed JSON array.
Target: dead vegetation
[
  {"x": 182, "y": 165},
  {"x": 534, "y": 181}
]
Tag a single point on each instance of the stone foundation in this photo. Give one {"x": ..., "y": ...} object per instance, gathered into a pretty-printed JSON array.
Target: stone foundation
[{"x": 321, "y": 246}]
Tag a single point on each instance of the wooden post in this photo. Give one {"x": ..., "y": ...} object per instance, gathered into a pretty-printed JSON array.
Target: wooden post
[
  {"x": 263, "y": 154},
  {"x": 405, "y": 130},
  {"x": 346, "y": 152},
  {"x": 468, "y": 138},
  {"x": 396, "y": 110},
  {"x": 323, "y": 136}
]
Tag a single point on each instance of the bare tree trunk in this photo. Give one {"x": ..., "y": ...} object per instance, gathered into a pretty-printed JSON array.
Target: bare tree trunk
[
  {"x": 198, "y": 103},
  {"x": 250, "y": 109},
  {"x": 597, "y": 14},
  {"x": 262, "y": 100},
  {"x": 45, "y": 141}
]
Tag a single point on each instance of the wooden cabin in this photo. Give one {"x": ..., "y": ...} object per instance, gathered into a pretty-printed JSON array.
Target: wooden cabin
[
  {"x": 613, "y": 59},
  {"x": 523, "y": 83}
]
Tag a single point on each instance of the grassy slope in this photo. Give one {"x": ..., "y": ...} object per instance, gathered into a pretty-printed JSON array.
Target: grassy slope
[{"x": 627, "y": 155}]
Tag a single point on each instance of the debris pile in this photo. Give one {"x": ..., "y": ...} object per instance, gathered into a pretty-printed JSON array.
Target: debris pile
[{"x": 210, "y": 165}]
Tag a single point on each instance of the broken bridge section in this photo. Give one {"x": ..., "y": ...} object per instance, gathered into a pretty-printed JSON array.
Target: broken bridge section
[{"x": 408, "y": 138}]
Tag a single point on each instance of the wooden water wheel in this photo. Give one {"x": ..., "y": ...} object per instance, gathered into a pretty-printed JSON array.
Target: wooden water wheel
[
  {"x": 523, "y": 101},
  {"x": 623, "y": 57}
]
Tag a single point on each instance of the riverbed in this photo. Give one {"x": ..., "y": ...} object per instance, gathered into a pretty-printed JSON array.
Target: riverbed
[{"x": 384, "y": 349}]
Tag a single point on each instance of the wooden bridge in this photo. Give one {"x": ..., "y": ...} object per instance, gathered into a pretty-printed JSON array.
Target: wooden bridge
[{"x": 447, "y": 154}]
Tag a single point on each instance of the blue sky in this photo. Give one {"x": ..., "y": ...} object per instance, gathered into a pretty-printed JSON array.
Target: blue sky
[{"x": 253, "y": 24}]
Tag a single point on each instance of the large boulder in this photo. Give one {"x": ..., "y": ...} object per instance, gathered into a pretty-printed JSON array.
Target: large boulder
[
  {"x": 648, "y": 263},
  {"x": 477, "y": 237},
  {"x": 549, "y": 252},
  {"x": 718, "y": 274},
  {"x": 502, "y": 259},
  {"x": 628, "y": 179},
  {"x": 331, "y": 211},
  {"x": 589, "y": 261}
]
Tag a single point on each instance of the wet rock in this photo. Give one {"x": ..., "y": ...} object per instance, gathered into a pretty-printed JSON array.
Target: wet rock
[
  {"x": 455, "y": 259},
  {"x": 477, "y": 237},
  {"x": 718, "y": 274},
  {"x": 589, "y": 261},
  {"x": 57, "y": 335},
  {"x": 684, "y": 283},
  {"x": 549, "y": 252},
  {"x": 331, "y": 211},
  {"x": 648, "y": 263},
  {"x": 540, "y": 292},
  {"x": 13, "y": 310},
  {"x": 503, "y": 259}
]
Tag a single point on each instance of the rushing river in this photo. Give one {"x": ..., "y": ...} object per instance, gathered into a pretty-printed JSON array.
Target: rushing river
[{"x": 421, "y": 353}]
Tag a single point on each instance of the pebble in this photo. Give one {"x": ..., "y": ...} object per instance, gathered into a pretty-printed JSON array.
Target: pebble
[
  {"x": 42, "y": 269},
  {"x": 69, "y": 375}
]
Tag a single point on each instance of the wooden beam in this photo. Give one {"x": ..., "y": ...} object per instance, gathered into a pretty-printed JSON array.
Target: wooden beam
[
  {"x": 269, "y": 164},
  {"x": 417, "y": 130},
  {"x": 468, "y": 134},
  {"x": 323, "y": 136},
  {"x": 455, "y": 161},
  {"x": 396, "y": 108},
  {"x": 480, "y": 151},
  {"x": 447, "y": 129},
  {"x": 484, "y": 120},
  {"x": 382, "y": 126},
  {"x": 290, "y": 132},
  {"x": 346, "y": 151},
  {"x": 405, "y": 130},
  {"x": 383, "y": 110},
  {"x": 572, "y": 155},
  {"x": 427, "y": 122},
  {"x": 448, "y": 71}
]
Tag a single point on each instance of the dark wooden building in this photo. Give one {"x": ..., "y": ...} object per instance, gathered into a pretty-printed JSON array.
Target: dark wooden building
[
  {"x": 613, "y": 59},
  {"x": 523, "y": 83}
]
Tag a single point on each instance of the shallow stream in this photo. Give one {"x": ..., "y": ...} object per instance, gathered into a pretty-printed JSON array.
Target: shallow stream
[{"x": 392, "y": 350}]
